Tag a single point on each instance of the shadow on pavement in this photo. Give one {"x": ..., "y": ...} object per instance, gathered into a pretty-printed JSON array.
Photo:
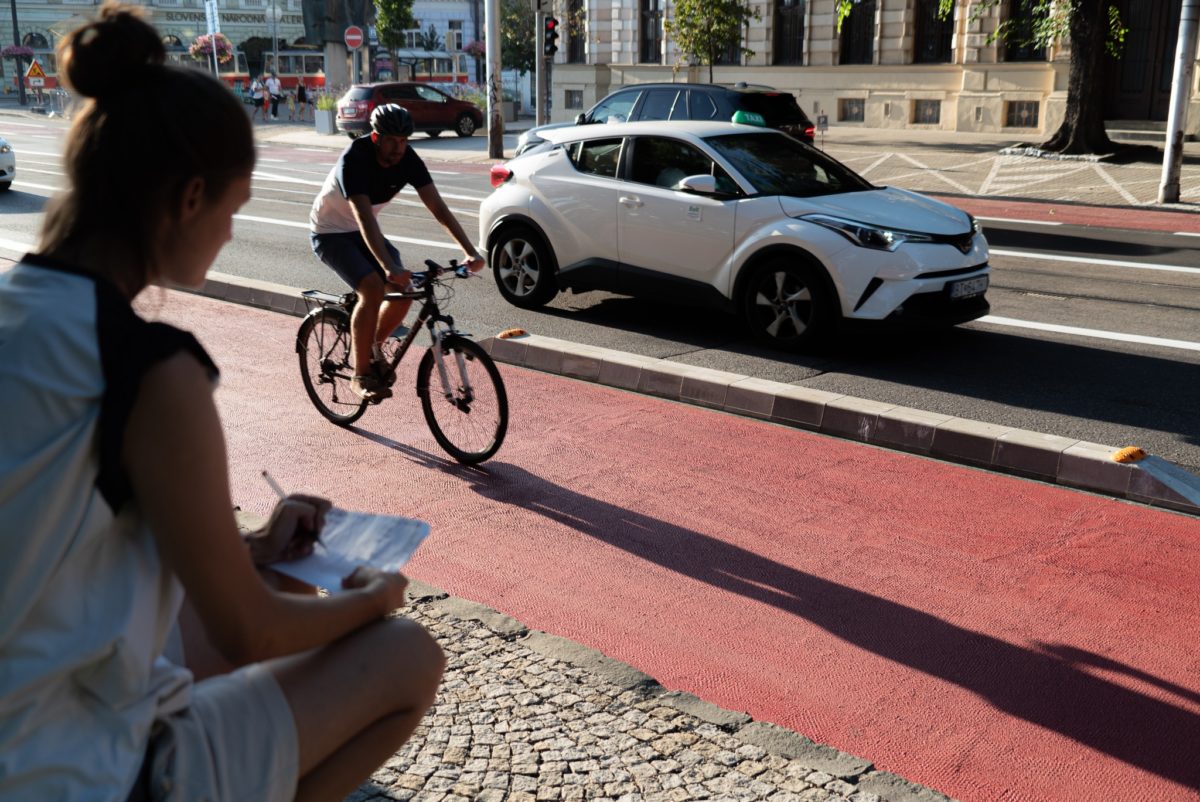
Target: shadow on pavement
[{"x": 1044, "y": 687}]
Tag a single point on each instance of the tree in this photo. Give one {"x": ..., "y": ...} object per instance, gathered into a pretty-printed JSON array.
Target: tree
[
  {"x": 429, "y": 40},
  {"x": 703, "y": 29},
  {"x": 1094, "y": 28},
  {"x": 518, "y": 39},
  {"x": 392, "y": 19}
]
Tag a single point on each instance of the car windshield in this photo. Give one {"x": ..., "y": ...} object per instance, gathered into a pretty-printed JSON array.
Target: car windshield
[
  {"x": 777, "y": 108},
  {"x": 776, "y": 164},
  {"x": 358, "y": 93}
]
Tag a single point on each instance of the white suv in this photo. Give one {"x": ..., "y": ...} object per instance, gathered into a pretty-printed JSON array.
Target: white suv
[{"x": 739, "y": 216}]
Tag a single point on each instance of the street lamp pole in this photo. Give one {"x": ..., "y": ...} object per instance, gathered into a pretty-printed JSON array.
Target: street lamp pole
[{"x": 17, "y": 61}]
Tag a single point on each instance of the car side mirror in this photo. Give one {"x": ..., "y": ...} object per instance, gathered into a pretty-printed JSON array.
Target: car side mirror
[
  {"x": 699, "y": 184},
  {"x": 581, "y": 118}
]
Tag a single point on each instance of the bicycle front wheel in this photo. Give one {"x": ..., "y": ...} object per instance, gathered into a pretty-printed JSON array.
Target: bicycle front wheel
[
  {"x": 468, "y": 413},
  {"x": 323, "y": 345}
]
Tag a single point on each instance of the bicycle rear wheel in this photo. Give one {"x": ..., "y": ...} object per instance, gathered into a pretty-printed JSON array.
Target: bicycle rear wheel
[
  {"x": 323, "y": 345},
  {"x": 469, "y": 415}
]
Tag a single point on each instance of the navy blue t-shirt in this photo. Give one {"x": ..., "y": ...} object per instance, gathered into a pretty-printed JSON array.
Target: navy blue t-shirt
[{"x": 357, "y": 172}]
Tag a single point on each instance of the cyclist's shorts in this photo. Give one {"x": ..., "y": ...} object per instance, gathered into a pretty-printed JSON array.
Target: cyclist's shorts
[{"x": 349, "y": 256}]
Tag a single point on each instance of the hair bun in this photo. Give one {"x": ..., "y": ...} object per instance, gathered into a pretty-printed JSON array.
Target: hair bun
[{"x": 111, "y": 54}]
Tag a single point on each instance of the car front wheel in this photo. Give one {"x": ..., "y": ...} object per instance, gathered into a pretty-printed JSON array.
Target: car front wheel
[
  {"x": 787, "y": 304},
  {"x": 465, "y": 125},
  {"x": 521, "y": 265}
]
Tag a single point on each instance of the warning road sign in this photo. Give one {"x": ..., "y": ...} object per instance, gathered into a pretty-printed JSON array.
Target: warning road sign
[{"x": 35, "y": 70}]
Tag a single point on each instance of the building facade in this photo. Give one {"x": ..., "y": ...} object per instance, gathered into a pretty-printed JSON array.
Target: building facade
[
  {"x": 253, "y": 22},
  {"x": 893, "y": 63}
]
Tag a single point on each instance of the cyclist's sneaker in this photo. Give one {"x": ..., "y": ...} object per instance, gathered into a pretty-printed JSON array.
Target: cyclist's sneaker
[{"x": 370, "y": 388}]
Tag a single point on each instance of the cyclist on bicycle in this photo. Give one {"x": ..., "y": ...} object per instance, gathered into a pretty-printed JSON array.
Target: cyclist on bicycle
[{"x": 345, "y": 233}]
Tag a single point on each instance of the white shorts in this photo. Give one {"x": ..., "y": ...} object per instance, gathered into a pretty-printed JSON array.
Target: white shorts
[{"x": 236, "y": 741}]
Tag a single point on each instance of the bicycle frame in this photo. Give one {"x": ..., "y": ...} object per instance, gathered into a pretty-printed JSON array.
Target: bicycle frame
[{"x": 429, "y": 316}]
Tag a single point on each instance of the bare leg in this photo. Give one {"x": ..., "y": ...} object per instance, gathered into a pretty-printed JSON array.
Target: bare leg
[
  {"x": 365, "y": 320},
  {"x": 387, "y": 676},
  {"x": 390, "y": 316}
]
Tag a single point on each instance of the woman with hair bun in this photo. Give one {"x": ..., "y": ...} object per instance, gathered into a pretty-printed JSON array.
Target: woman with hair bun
[{"x": 114, "y": 493}]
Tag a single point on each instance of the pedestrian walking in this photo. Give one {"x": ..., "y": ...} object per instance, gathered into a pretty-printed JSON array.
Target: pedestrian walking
[
  {"x": 291, "y": 104},
  {"x": 275, "y": 93},
  {"x": 302, "y": 99},
  {"x": 258, "y": 92},
  {"x": 114, "y": 492}
]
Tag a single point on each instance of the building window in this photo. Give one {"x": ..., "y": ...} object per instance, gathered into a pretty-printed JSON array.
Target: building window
[
  {"x": 1021, "y": 114},
  {"x": 731, "y": 55},
  {"x": 454, "y": 36},
  {"x": 413, "y": 37},
  {"x": 935, "y": 36},
  {"x": 789, "y": 31},
  {"x": 576, "y": 32},
  {"x": 927, "y": 112},
  {"x": 651, "y": 36},
  {"x": 858, "y": 34},
  {"x": 1022, "y": 18},
  {"x": 851, "y": 109},
  {"x": 573, "y": 99}
]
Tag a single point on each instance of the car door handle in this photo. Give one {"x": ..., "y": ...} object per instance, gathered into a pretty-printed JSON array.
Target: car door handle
[{"x": 629, "y": 201}]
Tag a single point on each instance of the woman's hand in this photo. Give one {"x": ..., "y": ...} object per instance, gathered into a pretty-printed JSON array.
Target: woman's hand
[
  {"x": 474, "y": 263},
  {"x": 387, "y": 586},
  {"x": 295, "y": 524}
]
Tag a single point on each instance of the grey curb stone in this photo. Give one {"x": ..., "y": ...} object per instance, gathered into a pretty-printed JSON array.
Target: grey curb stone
[
  {"x": 1078, "y": 464},
  {"x": 612, "y": 671},
  {"x": 786, "y": 743},
  {"x": 705, "y": 711}
]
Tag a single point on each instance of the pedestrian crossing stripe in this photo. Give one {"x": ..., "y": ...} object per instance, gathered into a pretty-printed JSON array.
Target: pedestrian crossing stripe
[{"x": 35, "y": 70}]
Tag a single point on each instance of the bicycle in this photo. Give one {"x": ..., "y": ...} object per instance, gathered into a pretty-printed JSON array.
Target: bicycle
[{"x": 464, "y": 399}]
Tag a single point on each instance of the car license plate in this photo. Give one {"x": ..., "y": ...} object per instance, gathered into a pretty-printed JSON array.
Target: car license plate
[{"x": 968, "y": 287}]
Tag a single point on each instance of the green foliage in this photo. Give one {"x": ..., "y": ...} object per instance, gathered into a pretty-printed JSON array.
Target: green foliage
[
  {"x": 702, "y": 29},
  {"x": 1051, "y": 19},
  {"x": 430, "y": 39},
  {"x": 326, "y": 102},
  {"x": 518, "y": 39},
  {"x": 392, "y": 19},
  {"x": 1051, "y": 22}
]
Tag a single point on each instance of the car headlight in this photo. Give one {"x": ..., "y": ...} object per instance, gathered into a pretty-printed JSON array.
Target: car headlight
[
  {"x": 867, "y": 236},
  {"x": 5, "y": 149},
  {"x": 976, "y": 228}
]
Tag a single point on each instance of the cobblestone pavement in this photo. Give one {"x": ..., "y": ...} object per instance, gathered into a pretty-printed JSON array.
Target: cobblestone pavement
[{"x": 525, "y": 716}]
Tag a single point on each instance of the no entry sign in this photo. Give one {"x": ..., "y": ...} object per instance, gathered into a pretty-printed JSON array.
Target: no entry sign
[{"x": 354, "y": 37}]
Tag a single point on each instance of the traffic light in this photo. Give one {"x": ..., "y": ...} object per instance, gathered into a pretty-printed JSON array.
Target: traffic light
[{"x": 551, "y": 46}]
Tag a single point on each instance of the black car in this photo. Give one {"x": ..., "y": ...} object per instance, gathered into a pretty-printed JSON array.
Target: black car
[{"x": 685, "y": 101}]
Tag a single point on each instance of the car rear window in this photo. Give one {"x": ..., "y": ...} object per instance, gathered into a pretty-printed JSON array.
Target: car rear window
[
  {"x": 777, "y": 108},
  {"x": 358, "y": 93}
]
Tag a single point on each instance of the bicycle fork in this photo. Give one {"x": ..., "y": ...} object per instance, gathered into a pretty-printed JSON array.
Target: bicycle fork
[{"x": 463, "y": 394}]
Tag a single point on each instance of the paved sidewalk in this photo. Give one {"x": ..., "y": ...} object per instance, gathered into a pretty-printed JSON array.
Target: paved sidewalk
[{"x": 525, "y": 716}]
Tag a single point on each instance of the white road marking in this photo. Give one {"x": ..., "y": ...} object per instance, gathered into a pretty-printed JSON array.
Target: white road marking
[
  {"x": 20, "y": 184},
  {"x": 1098, "y": 334},
  {"x": 249, "y": 218},
  {"x": 308, "y": 182},
  {"x": 1084, "y": 260},
  {"x": 15, "y": 246}
]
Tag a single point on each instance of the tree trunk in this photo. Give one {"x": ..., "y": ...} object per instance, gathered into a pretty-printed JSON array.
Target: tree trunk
[{"x": 1082, "y": 129}]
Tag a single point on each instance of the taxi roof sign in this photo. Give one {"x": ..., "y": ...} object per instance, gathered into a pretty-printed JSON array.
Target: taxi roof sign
[{"x": 35, "y": 70}]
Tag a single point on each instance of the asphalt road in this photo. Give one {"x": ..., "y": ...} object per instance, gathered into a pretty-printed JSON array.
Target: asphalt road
[{"x": 1124, "y": 370}]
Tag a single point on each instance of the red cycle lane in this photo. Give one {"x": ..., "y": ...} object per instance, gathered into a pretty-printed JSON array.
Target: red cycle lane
[{"x": 994, "y": 638}]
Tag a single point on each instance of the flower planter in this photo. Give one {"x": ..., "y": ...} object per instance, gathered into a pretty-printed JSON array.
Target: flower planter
[{"x": 325, "y": 121}]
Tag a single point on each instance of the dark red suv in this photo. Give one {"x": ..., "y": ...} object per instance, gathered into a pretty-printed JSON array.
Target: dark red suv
[{"x": 432, "y": 110}]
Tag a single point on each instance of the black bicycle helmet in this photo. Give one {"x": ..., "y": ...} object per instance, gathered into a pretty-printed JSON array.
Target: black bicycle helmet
[{"x": 391, "y": 119}]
